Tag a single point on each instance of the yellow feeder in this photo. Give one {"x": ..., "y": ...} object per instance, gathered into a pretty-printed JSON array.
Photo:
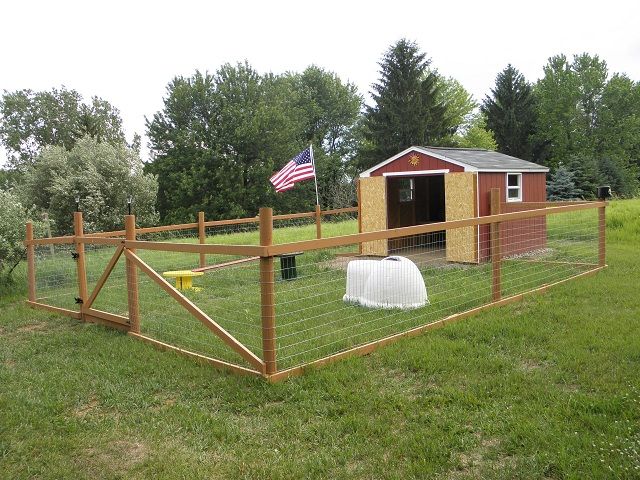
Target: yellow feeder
[{"x": 183, "y": 278}]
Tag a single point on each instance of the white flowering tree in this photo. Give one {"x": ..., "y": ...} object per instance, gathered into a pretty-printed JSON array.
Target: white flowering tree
[{"x": 101, "y": 175}]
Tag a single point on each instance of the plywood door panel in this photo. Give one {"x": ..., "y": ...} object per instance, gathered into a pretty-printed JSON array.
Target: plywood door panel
[
  {"x": 373, "y": 197},
  {"x": 460, "y": 203}
]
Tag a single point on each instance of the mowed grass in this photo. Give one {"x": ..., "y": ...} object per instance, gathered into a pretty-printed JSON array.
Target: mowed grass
[{"x": 546, "y": 388}]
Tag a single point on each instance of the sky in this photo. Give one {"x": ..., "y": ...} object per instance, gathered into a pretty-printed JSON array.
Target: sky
[{"x": 127, "y": 51}]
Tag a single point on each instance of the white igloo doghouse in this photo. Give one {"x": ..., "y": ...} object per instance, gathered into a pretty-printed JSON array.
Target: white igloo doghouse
[{"x": 393, "y": 282}]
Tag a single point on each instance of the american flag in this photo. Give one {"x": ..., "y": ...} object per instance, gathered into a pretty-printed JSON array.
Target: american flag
[{"x": 299, "y": 168}]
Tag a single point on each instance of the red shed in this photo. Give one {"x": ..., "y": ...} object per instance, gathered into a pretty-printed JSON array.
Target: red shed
[{"x": 432, "y": 184}]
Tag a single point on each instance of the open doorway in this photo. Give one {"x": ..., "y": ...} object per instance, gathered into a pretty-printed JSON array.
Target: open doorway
[{"x": 415, "y": 201}]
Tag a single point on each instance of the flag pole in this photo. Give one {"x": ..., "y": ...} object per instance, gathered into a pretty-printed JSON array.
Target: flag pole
[{"x": 315, "y": 176}]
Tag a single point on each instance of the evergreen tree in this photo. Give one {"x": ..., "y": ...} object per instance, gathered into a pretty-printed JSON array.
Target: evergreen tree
[
  {"x": 407, "y": 107},
  {"x": 619, "y": 174},
  {"x": 510, "y": 113},
  {"x": 585, "y": 175},
  {"x": 562, "y": 186}
]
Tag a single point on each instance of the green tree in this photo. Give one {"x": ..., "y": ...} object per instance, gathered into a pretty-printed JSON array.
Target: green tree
[
  {"x": 30, "y": 121},
  {"x": 557, "y": 97},
  {"x": 476, "y": 135},
  {"x": 329, "y": 110},
  {"x": 102, "y": 175},
  {"x": 562, "y": 186},
  {"x": 618, "y": 123},
  {"x": 217, "y": 140},
  {"x": 570, "y": 100},
  {"x": 510, "y": 113},
  {"x": 182, "y": 147},
  {"x": 407, "y": 108},
  {"x": 220, "y": 137},
  {"x": 259, "y": 131},
  {"x": 8, "y": 178},
  {"x": 459, "y": 108},
  {"x": 590, "y": 78},
  {"x": 583, "y": 117}
]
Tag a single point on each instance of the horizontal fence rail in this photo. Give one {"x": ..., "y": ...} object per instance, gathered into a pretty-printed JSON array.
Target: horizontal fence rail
[{"x": 272, "y": 295}]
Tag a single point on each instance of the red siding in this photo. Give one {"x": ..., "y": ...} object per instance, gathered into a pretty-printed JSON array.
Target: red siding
[
  {"x": 426, "y": 162},
  {"x": 516, "y": 236}
]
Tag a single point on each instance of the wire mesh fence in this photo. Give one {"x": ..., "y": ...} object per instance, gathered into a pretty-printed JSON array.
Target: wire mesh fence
[
  {"x": 229, "y": 295},
  {"x": 56, "y": 280},
  {"x": 320, "y": 315},
  {"x": 113, "y": 294},
  {"x": 328, "y": 297}
]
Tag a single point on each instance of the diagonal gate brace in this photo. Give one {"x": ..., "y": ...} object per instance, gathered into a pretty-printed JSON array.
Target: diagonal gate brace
[
  {"x": 225, "y": 336},
  {"x": 103, "y": 278}
]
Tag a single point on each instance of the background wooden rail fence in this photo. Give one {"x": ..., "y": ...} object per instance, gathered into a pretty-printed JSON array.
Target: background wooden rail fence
[{"x": 201, "y": 223}]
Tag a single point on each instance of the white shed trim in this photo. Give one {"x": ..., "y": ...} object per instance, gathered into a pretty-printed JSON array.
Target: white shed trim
[
  {"x": 467, "y": 168},
  {"x": 415, "y": 173}
]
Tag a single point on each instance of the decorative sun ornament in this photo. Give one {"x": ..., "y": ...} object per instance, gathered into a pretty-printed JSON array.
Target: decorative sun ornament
[{"x": 414, "y": 160}]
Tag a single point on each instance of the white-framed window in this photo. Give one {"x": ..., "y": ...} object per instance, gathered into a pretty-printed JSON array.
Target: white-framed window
[
  {"x": 514, "y": 187},
  {"x": 407, "y": 189}
]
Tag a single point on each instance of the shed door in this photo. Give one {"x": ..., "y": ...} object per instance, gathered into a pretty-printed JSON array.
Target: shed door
[
  {"x": 373, "y": 212},
  {"x": 401, "y": 202},
  {"x": 460, "y": 191}
]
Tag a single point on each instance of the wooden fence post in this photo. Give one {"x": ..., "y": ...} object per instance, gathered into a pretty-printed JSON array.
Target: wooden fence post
[
  {"x": 359, "y": 200},
  {"x": 31, "y": 264},
  {"x": 78, "y": 230},
  {"x": 318, "y": 222},
  {"x": 132, "y": 277},
  {"x": 267, "y": 294},
  {"x": 202, "y": 237},
  {"x": 496, "y": 288},
  {"x": 602, "y": 252}
]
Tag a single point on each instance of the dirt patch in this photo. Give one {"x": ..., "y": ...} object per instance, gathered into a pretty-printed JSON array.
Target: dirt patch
[
  {"x": 422, "y": 257},
  {"x": 540, "y": 253},
  {"x": 113, "y": 459},
  {"x": 274, "y": 404},
  {"x": 529, "y": 365},
  {"x": 484, "y": 457},
  {"x": 32, "y": 327},
  {"x": 87, "y": 409},
  {"x": 405, "y": 384},
  {"x": 163, "y": 401},
  {"x": 136, "y": 452},
  {"x": 570, "y": 387}
]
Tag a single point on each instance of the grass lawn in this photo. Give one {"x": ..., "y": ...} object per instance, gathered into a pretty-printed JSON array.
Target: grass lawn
[{"x": 546, "y": 388}]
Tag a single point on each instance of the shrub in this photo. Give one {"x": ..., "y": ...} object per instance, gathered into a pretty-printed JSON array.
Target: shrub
[
  {"x": 13, "y": 217},
  {"x": 102, "y": 175}
]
